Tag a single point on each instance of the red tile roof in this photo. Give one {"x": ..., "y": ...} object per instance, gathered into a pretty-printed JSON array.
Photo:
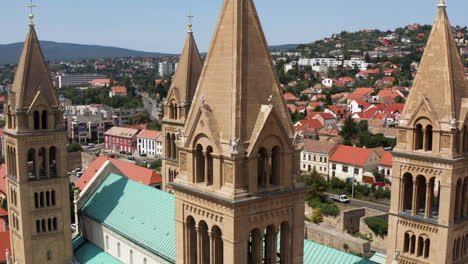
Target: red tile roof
[
  {"x": 387, "y": 160},
  {"x": 119, "y": 89},
  {"x": 100, "y": 81},
  {"x": 3, "y": 212},
  {"x": 370, "y": 113},
  {"x": 389, "y": 93},
  {"x": 351, "y": 155},
  {"x": 3, "y": 183},
  {"x": 336, "y": 109},
  {"x": 325, "y": 116},
  {"x": 131, "y": 171},
  {"x": 4, "y": 245},
  {"x": 147, "y": 133},
  {"x": 290, "y": 96}
]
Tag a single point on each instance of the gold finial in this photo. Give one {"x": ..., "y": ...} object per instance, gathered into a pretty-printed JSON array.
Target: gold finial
[
  {"x": 190, "y": 25},
  {"x": 442, "y": 3},
  {"x": 31, "y": 14}
]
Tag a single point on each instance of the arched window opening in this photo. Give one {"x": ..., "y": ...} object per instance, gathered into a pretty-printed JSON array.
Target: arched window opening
[
  {"x": 419, "y": 137},
  {"x": 31, "y": 163},
  {"x": 49, "y": 224},
  {"x": 53, "y": 161},
  {"x": 42, "y": 200},
  {"x": 44, "y": 119},
  {"x": 406, "y": 243},
  {"x": 429, "y": 134},
  {"x": 275, "y": 166},
  {"x": 36, "y": 200},
  {"x": 200, "y": 164},
  {"x": 107, "y": 242},
  {"x": 270, "y": 245},
  {"x": 421, "y": 194},
  {"x": 434, "y": 199},
  {"x": 48, "y": 204},
  {"x": 458, "y": 201},
  {"x": 285, "y": 243},
  {"x": 42, "y": 162},
  {"x": 131, "y": 256},
  {"x": 217, "y": 239},
  {"x": 420, "y": 246},
  {"x": 255, "y": 247},
  {"x": 464, "y": 204},
  {"x": 413, "y": 244},
  {"x": 191, "y": 241},
  {"x": 53, "y": 198},
  {"x": 262, "y": 167},
  {"x": 118, "y": 249},
  {"x": 171, "y": 111},
  {"x": 174, "y": 147},
  {"x": 43, "y": 225},
  {"x": 204, "y": 242},
  {"x": 209, "y": 163},
  {"x": 37, "y": 121},
  {"x": 168, "y": 146},
  {"x": 38, "y": 226},
  {"x": 54, "y": 222},
  {"x": 176, "y": 109},
  {"x": 465, "y": 139},
  {"x": 9, "y": 117},
  {"x": 427, "y": 248},
  {"x": 407, "y": 192}
]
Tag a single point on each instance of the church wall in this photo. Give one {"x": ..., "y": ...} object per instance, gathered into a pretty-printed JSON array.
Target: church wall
[{"x": 108, "y": 241}]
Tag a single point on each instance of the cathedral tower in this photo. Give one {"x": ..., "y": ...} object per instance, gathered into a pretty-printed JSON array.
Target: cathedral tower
[
  {"x": 239, "y": 198},
  {"x": 429, "y": 208},
  {"x": 177, "y": 105},
  {"x": 37, "y": 181}
]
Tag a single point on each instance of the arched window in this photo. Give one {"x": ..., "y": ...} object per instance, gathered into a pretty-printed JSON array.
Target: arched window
[
  {"x": 200, "y": 164},
  {"x": 217, "y": 245},
  {"x": 407, "y": 192},
  {"x": 275, "y": 166},
  {"x": 464, "y": 204},
  {"x": 174, "y": 147},
  {"x": 37, "y": 121},
  {"x": 458, "y": 199},
  {"x": 428, "y": 138},
  {"x": 54, "y": 222},
  {"x": 270, "y": 245},
  {"x": 49, "y": 225},
  {"x": 406, "y": 243},
  {"x": 43, "y": 225},
  {"x": 421, "y": 194},
  {"x": 171, "y": 112},
  {"x": 36, "y": 200},
  {"x": 42, "y": 200},
  {"x": 191, "y": 239},
  {"x": 413, "y": 244},
  {"x": 262, "y": 167},
  {"x": 176, "y": 110},
  {"x": 44, "y": 119},
  {"x": 42, "y": 162},
  {"x": 38, "y": 226},
  {"x": 434, "y": 197},
  {"x": 465, "y": 139},
  {"x": 48, "y": 204},
  {"x": 9, "y": 117},
  {"x": 53, "y": 161},
  {"x": 427, "y": 248},
  {"x": 254, "y": 247},
  {"x": 118, "y": 249},
  {"x": 168, "y": 146},
  {"x": 53, "y": 198},
  {"x": 31, "y": 163},
  {"x": 419, "y": 137},
  {"x": 107, "y": 242},
  {"x": 205, "y": 242},
  {"x": 131, "y": 256},
  {"x": 209, "y": 163},
  {"x": 420, "y": 246}
]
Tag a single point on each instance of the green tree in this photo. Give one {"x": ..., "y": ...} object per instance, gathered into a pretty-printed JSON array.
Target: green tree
[
  {"x": 154, "y": 125},
  {"x": 74, "y": 147},
  {"x": 317, "y": 216},
  {"x": 140, "y": 118},
  {"x": 399, "y": 100}
]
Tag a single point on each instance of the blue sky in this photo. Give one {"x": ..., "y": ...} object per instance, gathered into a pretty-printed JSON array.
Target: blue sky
[{"x": 160, "y": 25}]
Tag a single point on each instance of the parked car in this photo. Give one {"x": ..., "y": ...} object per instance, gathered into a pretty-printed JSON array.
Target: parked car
[
  {"x": 131, "y": 158},
  {"x": 379, "y": 183},
  {"x": 340, "y": 198}
]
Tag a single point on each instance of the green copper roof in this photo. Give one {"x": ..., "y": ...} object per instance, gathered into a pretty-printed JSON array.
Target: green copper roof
[
  {"x": 88, "y": 253},
  {"x": 317, "y": 253},
  {"x": 140, "y": 213},
  {"x": 379, "y": 258}
]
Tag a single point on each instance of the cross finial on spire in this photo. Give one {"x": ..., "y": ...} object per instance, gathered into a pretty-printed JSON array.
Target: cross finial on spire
[
  {"x": 31, "y": 13},
  {"x": 190, "y": 25},
  {"x": 442, "y": 3}
]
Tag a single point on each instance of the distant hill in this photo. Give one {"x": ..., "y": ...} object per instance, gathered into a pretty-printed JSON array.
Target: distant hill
[
  {"x": 54, "y": 51},
  {"x": 284, "y": 47}
]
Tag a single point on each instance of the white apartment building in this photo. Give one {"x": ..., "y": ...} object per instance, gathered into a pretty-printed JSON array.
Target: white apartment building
[
  {"x": 149, "y": 143},
  {"x": 362, "y": 65},
  {"x": 316, "y": 155},
  {"x": 328, "y": 62},
  {"x": 166, "y": 68},
  {"x": 351, "y": 162}
]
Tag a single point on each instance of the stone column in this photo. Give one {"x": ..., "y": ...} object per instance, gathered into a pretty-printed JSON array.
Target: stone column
[
  {"x": 199, "y": 245},
  {"x": 212, "y": 249},
  {"x": 414, "y": 207},
  {"x": 268, "y": 169},
  {"x": 429, "y": 199},
  {"x": 46, "y": 162}
]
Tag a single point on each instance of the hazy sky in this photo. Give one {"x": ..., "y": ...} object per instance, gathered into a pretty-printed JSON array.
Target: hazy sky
[{"x": 160, "y": 25}]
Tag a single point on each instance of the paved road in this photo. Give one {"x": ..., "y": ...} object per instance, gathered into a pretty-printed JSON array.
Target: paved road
[
  {"x": 150, "y": 106},
  {"x": 359, "y": 203}
]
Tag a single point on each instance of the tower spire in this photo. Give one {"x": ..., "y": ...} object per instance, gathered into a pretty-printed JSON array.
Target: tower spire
[
  {"x": 31, "y": 13},
  {"x": 190, "y": 25},
  {"x": 442, "y": 4}
]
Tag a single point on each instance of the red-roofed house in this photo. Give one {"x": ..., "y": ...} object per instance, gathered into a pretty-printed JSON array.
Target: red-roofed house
[
  {"x": 361, "y": 94},
  {"x": 347, "y": 162},
  {"x": 337, "y": 111},
  {"x": 129, "y": 170},
  {"x": 118, "y": 91},
  {"x": 290, "y": 96},
  {"x": 309, "y": 92},
  {"x": 386, "y": 164},
  {"x": 4, "y": 246},
  {"x": 310, "y": 125},
  {"x": 3, "y": 220},
  {"x": 356, "y": 105},
  {"x": 327, "y": 119},
  {"x": 101, "y": 82},
  {"x": 149, "y": 143}
]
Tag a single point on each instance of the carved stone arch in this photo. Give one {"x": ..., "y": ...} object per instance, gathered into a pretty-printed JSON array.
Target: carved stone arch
[
  {"x": 423, "y": 110},
  {"x": 202, "y": 125}
]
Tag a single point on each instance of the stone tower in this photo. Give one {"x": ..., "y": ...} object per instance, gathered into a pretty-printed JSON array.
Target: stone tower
[
  {"x": 177, "y": 105},
  {"x": 37, "y": 182},
  {"x": 239, "y": 197},
  {"x": 429, "y": 208}
]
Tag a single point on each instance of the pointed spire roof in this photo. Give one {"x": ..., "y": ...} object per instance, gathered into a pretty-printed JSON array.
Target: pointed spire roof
[
  {"x": 238, "y": 77},
  {"x": 188, "y": 71},
  {"x": 32, "y": 75},
  {"x": 440, "y": 80}
]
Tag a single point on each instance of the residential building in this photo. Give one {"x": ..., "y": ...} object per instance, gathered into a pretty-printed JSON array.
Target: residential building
[
  {"x": 352, "y": 162},
  {"x": 428, "y": 220},
  {"x": 134, "y": 172},
  {"x": 290, "y": 66},
  {"x": 149, "y": 143},
  {"x": 83, "y": 129},
  {"x": 316, "y": 155},
  {"x": 37, "y": 182},
  {"x": 121, "y": 139},
  {"x": 360, "y": 64},
  {"x": 118, "y": 91},
  {"x": 4, "y": 247},
  {"x": 385, "y": 165},
  {"x": 76, "y": 79},
  {"x": 327, "y": 82},
  {"x": 101, "y": 82},
  {"x": 327, "y": 62},
  {"x": 166, "y": 68}
]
